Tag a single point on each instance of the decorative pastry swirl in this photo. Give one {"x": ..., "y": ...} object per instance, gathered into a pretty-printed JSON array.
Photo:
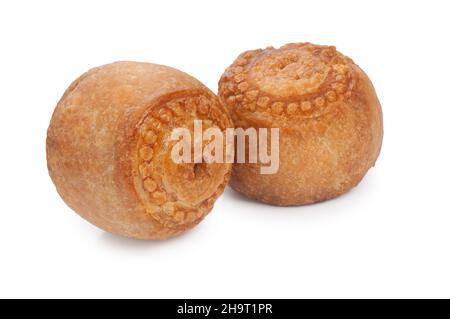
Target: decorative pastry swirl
[
  {"x": 300, "y": 80},
  {"x": 178, "y": 193}
]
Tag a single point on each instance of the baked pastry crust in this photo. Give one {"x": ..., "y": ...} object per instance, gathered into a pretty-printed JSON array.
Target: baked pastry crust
[
  {"x": 328, "y": 114},
  {"x": 108, "y": 149}
]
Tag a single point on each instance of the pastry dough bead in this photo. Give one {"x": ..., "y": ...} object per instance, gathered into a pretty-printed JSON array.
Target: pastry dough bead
[
  {"x": 243, "y": 86},
  {"x": 340, "y": 88},
  {"x": 277, "y": 108},
  {"x": 150, "y": 185},
  {"x": 239, "y": 77},
  {"x": 203, "y": 105},
  {"x": 228, "y": 89},
  {"x": 190, "y": 216},
  {"x": 153, "y": 123},
  {"x": 292, "y": 108},
  {"x": 165, "y": 115},
  {"x": 331, "y": 96},
  {"x": 252, "y": 95},
  {"x": 177, "y": 109},
  {"x": 207, "y": 203},
  {"x": 328, "y": 53},
  {"x": 238, "y": 70},
  {"x": 191, "y": 105},
  {"x": 263, "y": 101},
  {"x": 241, "y": 61},
  {"x": 146, "y": 153},
  {"x": 319, "y": 101},
  {"x": 306, "y": 106},
  {"x": 159, "y": 197},
  {"x": 179, "y": 216},
  {"x": 250, "y": 54},
  {"x": 149, "y": 137},
  {"x": 203, "y": 109}
]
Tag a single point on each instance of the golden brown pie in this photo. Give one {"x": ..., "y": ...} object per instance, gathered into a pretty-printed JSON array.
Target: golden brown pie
[
  {"x": 327, "y": 112},
  {"x": 109, "y": 152}
]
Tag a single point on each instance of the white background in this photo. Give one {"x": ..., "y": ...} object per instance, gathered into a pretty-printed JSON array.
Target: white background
[{"x": 389, "y": 237}]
